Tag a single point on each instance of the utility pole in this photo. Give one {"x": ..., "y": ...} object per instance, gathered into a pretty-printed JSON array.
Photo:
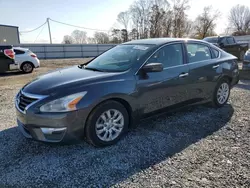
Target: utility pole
[{"x": 49, "y": 31}]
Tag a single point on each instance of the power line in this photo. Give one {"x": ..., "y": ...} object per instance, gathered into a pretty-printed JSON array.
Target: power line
[
  {"x": 33, "y": 29},
  {"x": 39, "y": 34},
  {"x": 79, "y": 26}
]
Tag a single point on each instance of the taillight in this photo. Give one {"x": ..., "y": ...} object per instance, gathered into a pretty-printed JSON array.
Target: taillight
[
  {"x": 9, "y": 53},
  {"x": 33, "y": 55}
]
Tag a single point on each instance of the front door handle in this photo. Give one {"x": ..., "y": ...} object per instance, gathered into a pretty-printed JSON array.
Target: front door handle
[
  {"x": 182, "y": 75},
  {"x": 215, "y": 66}
]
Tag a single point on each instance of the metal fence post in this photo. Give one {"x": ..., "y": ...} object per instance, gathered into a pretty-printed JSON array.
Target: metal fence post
[{"x": 82, "y": 50}]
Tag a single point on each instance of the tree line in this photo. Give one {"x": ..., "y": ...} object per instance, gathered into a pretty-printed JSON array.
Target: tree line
[{"x": 165, "y": 18}]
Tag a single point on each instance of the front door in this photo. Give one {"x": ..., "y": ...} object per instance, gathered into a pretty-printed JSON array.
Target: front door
[{"x": 158, "y": 90}]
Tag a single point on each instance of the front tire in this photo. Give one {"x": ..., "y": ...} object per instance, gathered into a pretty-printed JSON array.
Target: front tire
[
  {"x": 221, "y": 93},
  {"x": 27, "y": 67},
  {"x": 106, "y": 124}
]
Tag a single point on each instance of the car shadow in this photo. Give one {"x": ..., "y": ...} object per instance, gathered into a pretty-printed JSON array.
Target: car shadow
[
  {"x": 11, "y": 73},
  {"x": 153, "y": 141}
]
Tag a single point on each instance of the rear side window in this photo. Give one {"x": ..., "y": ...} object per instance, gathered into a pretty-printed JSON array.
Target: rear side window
[
  {"x": 19, "y": 52},
  {"x": 215, "y": 53},
  {"x": 170, "y": 55},
  {"x": 198, "y": 52}
]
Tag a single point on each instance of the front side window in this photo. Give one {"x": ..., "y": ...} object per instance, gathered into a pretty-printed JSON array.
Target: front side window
[
  {"x": 170, "y": 55},
  {"x": 223, "y": 40},
  {"x": 119, "y": 58},
  {"x": 198, "y": 52}
]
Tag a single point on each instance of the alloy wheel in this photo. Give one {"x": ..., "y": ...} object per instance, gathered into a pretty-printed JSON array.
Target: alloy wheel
[
  {"x": 109, "y": 125},
  {"x": 27, "y": 67},
  {"x": 223, "y": 93}
]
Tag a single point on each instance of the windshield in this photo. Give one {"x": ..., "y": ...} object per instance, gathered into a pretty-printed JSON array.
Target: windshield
[
  {"x": 211, "y": 40},
  {"x": 119, "y": 58}
]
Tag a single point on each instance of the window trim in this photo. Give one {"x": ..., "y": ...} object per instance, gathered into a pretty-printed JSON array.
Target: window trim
[
  {"x": 184, "y": 59},
  {"x": 198, "y": 43}
]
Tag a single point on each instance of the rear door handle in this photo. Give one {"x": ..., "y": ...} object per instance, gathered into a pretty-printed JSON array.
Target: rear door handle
[
  {"x": 182, "y": 75},
  {"x": 215, "y": 66}
]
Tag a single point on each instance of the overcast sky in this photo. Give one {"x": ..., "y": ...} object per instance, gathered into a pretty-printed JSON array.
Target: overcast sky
[{"x": 100, "y": 14}]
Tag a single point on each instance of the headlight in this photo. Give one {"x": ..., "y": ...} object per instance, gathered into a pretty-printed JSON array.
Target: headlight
[
  {"x": 248, "y": 52},
  {"x": 63, "y": 104}
]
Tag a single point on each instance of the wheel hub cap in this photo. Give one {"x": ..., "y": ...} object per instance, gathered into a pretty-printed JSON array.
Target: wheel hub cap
[
  {"x": 109, "y": 125},
  {"x": 223, "y": 93}
]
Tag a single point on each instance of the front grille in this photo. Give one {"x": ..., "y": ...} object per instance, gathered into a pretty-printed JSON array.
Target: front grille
[{"x": 25, "y": 101}]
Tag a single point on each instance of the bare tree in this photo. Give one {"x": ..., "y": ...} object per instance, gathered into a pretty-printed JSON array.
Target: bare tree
[
  {"x": 67, "y": 39},
  {"x": 239, "y": 19},
  {"x": 205, "y": 23},
  {"x": 101, "y": 37},
  {"x": 80, "y": 37},
  {"x": 179, "y": 17},
  {"x": 124, "y": 35},
  {"x": 140, "y": 16},
  {"x": 116, "y": 37},
  {"x": 156, "y": 21},
  {"x": 133, "y": 35},
  {"x": 123, "y": 18},
  {"x": 188, "y": 28},
  {"x": 91, "y": 40},
  {"x": 167, "y": 24}
]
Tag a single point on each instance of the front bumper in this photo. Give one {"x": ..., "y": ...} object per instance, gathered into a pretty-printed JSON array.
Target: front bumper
[{"x": 57, "y": 127}]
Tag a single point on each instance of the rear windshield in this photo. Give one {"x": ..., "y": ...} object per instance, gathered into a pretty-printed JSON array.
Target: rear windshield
[{"x": 211, "y": 40}]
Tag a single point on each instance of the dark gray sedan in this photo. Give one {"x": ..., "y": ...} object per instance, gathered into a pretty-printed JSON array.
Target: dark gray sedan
[{"x": 101, "y": 100}]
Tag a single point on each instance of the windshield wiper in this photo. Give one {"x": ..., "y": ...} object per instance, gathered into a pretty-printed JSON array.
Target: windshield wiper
[{"x": 93, "y": 69}]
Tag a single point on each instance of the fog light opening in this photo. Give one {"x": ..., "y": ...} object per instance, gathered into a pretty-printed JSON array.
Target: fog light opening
[{"x": 52, "y": 130}]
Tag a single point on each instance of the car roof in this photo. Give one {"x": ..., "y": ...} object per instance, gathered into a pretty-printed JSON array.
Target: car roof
[
  {"x": 221, "y": 36},
  {"x": 160, "y": 41}
]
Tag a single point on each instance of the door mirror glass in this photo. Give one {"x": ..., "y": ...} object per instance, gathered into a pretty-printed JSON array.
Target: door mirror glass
[
  {"x": 153, "y": 67},
  {"x": 221, "y": 44}
]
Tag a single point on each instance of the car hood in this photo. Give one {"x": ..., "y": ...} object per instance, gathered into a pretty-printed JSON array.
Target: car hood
[{"x": 67, "y": 78}]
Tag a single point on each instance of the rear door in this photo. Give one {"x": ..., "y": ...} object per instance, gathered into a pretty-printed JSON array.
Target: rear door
[
  {"x": 204, "y": 69},
  {"x": 158, "y": 90}
]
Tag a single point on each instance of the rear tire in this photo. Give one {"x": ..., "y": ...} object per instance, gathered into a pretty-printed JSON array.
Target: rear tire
[
  {"x": 221, "y": 93},
  {"x": 27, "y": 67},
  {"x": 106, "y": 124}
]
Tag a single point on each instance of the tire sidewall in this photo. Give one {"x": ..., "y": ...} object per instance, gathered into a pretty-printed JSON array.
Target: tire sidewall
[
  {"x": 215, "y": 100},
  {"x": 91, "y": 122},
  {"x": 27, "y": 63}
]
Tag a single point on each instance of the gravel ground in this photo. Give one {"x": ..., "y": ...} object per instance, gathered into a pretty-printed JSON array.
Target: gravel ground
[{"x": 195, "y": 147}]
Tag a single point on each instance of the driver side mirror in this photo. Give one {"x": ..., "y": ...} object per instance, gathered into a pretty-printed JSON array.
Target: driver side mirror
[
  {"x": 153, "y": 67},
  {"x": 221, "y": 44}
]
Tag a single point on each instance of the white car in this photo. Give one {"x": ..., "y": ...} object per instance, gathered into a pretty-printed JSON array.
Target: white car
[{"x": 25, "y": 60}]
